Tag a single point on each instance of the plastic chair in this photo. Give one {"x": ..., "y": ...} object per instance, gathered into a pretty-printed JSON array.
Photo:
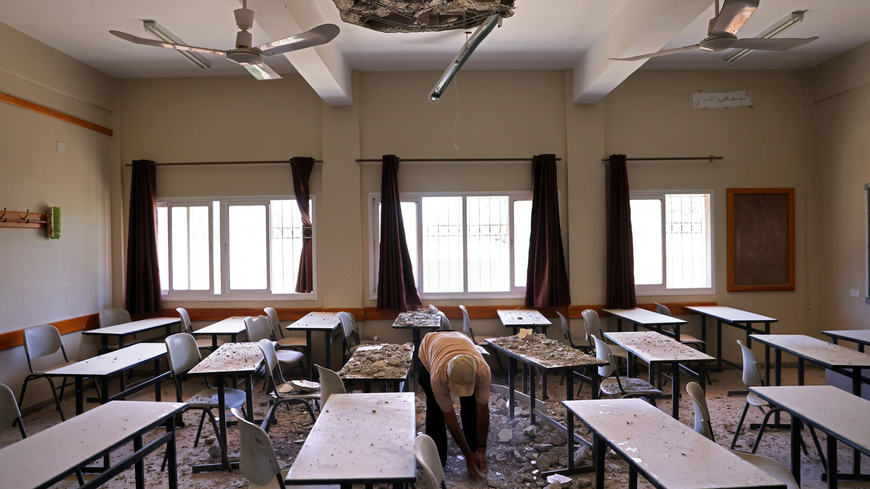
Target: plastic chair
[
  {"x": 183, "y": 354},
  {"x": 277, "y": 397},
  {"x": 432, "y": 309},
  {"x": 261, "y": 329},
  {"x": 565, "y": 329},
  {"x": 293, "y": 342},
  {"x": 41, "y": 341},
  {"x": 201, "y": 343},
  {"x": 703, "y": 426},
  {"x": 426, "y": 453},
  {"x": 613, "y": 386},
  {"x": 9, "y": 412},
  {"x": 330, "y": 383},
  {"x": 685, "y": 339},
  {"x": 466, "y": 328},
  {"x": 592, "y": 325},
  {"x": 351, "y": 339},
  {"x": 445, "y": 323},
  {"x": 113, "y": 317}
]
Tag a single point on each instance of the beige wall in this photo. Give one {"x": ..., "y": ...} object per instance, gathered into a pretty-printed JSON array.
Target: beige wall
[
  {"x": 45, "y": 280},
  {"x": 840, "y": 169}
]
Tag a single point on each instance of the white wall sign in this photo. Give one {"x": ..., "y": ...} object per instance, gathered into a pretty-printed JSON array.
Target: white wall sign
[{"x": 722, "y": 99}]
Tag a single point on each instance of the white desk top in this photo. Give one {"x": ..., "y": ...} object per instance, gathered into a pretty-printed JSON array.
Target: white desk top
[
  {"x": 316, "y": 321},
  {"x": 665, "y": 450},
  {"x": 815, "y": 350},
  {"x": 229, "y": 326},
  {"x": 133, "y": 327},
  {"x": 113, "y": 362},
  {"x": 651, "y": 346},
  {"x": 59, "y": 450},
  {"x": 522, "y": 317},
  {"x": 855, "y": 335},
  {"x": 831, "y": 409},
  {"x": 417, "y": 319},
  {"x": 730, "y": 314},
  {"x": 642, "y": 316},
  {"x": 231, "y": 358},
  {"x": 379, "y": 362},
  {"x": 359, "y": 438},
  {"x": 543, "y": 352}
]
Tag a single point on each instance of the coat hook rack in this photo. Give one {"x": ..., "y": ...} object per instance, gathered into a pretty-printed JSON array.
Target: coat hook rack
[{"x": 27, "y": 219}]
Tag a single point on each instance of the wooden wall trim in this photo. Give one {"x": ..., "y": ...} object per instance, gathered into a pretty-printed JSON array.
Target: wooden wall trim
[
  {"x": 53, "y": 113},
  {"x": 14, "y": 339}
]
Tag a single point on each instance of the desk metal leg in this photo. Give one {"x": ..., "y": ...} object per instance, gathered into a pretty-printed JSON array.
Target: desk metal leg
[
  {"x": 767, "y": 356},
  {"x": 801, "y": 370},
  {"x": 512, "y": 368},
  {"x": 702, "y": 375},
  {"x": 832, "y": 462},
  {"x": 796, "y": 450},
  {"x": 719, "y": 344},
  {"x": 105, "y": 343},
  {"x": 599, "y": 449},
  {"x": 777, "y": 375},
  {"x": 675, "y": 390},
  {"x": 856, "y": 390},
  {"x": 249, "y": 398},
  {"x": 213, "y": 342},
  {"x": 329, "y": 350},
  {"x": 525, "y": 378},
  {"x": 311, "y": 356},
  {"x": 415, "y": 359},
  {"x": 158, "y": 395},
  {"x": 632, "y": 477},
  {"x": 80, "y": 396},
  {"x": 618, "y": 325},
  {"x": 569, "y": 419},
  {"x": 171, "y": 455},
  {"x": 532, "y": 374},
  {"x": 140, "y": 466}
]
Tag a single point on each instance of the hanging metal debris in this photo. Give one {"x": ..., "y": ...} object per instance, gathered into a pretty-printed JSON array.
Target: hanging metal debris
[{"x": 420, "y": 15}]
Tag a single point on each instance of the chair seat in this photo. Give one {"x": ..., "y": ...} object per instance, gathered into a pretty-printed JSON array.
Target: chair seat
[
  {"x": 289, "y": 357},
  {"x": 208, "y": 398},
  {"x": 483, "y": 351},
  {"x": 205, "y": 343},
  {"x": 629, "y": 385},
  {"x": 690, "y": 340},
  {"x": 293, "y": 342},
  {"x": 771, "y": 467},
  {"x": 754, "y": 400},
  {"x": 274, "y": 484}
]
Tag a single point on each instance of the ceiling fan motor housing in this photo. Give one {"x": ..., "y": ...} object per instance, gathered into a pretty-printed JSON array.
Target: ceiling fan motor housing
[
  {"x": 718, "y": 43},
  {"x": 244, "y": 18}
]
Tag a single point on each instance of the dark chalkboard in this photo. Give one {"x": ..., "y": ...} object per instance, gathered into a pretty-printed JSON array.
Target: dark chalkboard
[{"x": 761, "y": 239}]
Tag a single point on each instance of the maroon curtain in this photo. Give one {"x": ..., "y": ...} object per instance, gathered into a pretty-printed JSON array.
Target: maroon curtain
[
  {"x": 620, "y": 247},
  {"x": 546, "y": 278},
  {"x": 301, "y": 167},
  {"x": 396, "y": 288},
  {"x": 143, "y": 274}
]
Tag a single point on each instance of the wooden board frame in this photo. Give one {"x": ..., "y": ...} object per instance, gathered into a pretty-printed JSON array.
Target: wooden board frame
[{"x": 732, "y": 259}]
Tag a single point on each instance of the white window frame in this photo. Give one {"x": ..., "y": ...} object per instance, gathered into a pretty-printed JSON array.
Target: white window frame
[
  {"x": 653, "y": 290},
  {"x": 226, "y": 293},
  {"x": 417, "y": 197},
  {"x": 867, "y": 244}
]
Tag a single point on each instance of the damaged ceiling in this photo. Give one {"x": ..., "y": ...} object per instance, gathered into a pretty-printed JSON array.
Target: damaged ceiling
[{"x": 421, "y": 16}]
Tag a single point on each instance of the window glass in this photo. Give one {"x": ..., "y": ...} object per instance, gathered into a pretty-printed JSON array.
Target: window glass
[
  {"x": 646, "y": 229},
  {"x": 522, "y": 234},
  {"x": 442, "y": 244},
  {"x": 688, "y": 241},
  {"x": 216, "y": 243},
  {"x": 247, "y": 247},
  {"x": 198, "y": 237},
  {"x": 488, "y": 244},
  {"x": 180, "y": 262},
  {"x": 163, "y": 247},
  {"x": 286, "y": 235}
]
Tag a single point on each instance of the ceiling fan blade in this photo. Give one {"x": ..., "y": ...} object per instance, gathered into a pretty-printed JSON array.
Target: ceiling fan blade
[
  {"x": 732, "y": 16},
  {"x": 261, "y": 71},
  {"x": 775, "y": 44},
  {"x": 660, "y": 53},
  {"x": 321, "y": 34},
  {"x": 161, "y": 44}
]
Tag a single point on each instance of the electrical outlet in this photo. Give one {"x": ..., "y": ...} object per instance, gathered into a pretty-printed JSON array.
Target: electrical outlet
[
  {"x": 854, "y": 293},
  {"x": 61, "y": 148}
]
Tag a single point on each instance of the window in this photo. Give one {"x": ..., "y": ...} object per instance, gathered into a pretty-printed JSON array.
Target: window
[
  {"x": 229, "y": 249},
  {"x": 867, "y": 248},
  {"x": 673, "y": 252},
  {"x": 462, "y": 245}
]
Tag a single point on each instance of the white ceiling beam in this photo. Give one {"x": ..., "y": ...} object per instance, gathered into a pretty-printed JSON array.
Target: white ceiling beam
[
  {"x": 323, "y": 67},
  {"x": 638, "y": 27}
]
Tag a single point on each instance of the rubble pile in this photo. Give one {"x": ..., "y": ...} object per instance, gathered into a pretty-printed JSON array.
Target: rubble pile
[
  {"x": 385, "y": 361},
  {"x": 420, "y": 15},
  {"x": 546, "y": 351}
]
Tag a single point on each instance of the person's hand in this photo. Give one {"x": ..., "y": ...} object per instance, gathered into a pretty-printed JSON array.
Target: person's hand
[
  {"x": 481, "y": 457},
  {"x": 472, "y": 462}
]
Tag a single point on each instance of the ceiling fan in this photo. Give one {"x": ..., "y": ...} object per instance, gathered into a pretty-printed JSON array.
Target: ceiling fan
[
  {"x": 251, "y": 57},
  {"x": 722, "y": 32}
]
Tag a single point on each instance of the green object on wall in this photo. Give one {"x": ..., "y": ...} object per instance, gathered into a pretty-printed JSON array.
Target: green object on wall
[{"x": 54, "y": 223}]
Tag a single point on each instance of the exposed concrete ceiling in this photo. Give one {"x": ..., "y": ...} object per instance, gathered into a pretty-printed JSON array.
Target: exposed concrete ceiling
[{"x": 543, "y": 34}]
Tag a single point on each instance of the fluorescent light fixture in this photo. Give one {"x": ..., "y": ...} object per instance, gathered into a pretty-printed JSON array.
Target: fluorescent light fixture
[
  {"x": 465, "y": 53},
  {"x": 161, "y": 33},
  {"x": 777, "y": 28}
]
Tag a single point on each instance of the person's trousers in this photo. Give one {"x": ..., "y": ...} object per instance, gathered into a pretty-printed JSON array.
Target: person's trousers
[{"x": 435, "y": 425}]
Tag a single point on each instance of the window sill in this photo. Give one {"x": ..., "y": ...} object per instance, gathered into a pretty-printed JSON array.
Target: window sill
[
  {"x": 670, "y": 292},
  {"x": 284, "y": 297}
]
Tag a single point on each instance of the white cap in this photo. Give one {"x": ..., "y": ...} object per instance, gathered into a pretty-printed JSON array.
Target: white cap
[{"x": 460, "y": 375}]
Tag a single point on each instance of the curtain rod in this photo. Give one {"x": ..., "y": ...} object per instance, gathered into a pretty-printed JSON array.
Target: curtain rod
[
  {"x": 196, "y": 163},
  {"x": 687, "y": 158},
  {"x": 434, "y": 160}
]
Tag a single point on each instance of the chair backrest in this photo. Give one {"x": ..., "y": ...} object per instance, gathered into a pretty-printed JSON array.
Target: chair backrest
[
  {"x": 565, "y": 328},
  {"x": 271, "y": 359},
  {"x": 272, "y": 314},
  {"x": 258, "y": 328},
  {"x": 751, "y": 374},
  {"x": 40, "y": 341},
  {"x": 182, "y": 352},
  {"x": 602, "y": 352},
  {"x": 348, "y": 324},
  {"x": 9, "y": 412},
  {"x": 663, "y": 309},
  {"x": 702, "y": 414},
  {"x": 185, "y": 319},
  {"x": 111, "y": 317},
  {"x": 445, "y": 323},
  {"x": 426, "y": 453},
  {"x": 432, "y": 309},
  {"x": 466, "y": 324},
  {"x": 257, "y": 460},
  {"x": 330, "y": 383},
  {"x": 591, "y": 324}
]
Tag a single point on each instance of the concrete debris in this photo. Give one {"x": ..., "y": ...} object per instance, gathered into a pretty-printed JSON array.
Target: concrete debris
[
  {"x": 421, "y": 16},
  {"x": 505, "y": 435},
  {"x": 214, "y": 451},
  {"x": 561, "y": 479},
  {"x": 385, "y": 361},
  {"x": 546, "y": 351}
]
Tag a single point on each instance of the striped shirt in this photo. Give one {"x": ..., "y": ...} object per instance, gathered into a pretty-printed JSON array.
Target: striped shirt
[{"x": 436, "y": 351}]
